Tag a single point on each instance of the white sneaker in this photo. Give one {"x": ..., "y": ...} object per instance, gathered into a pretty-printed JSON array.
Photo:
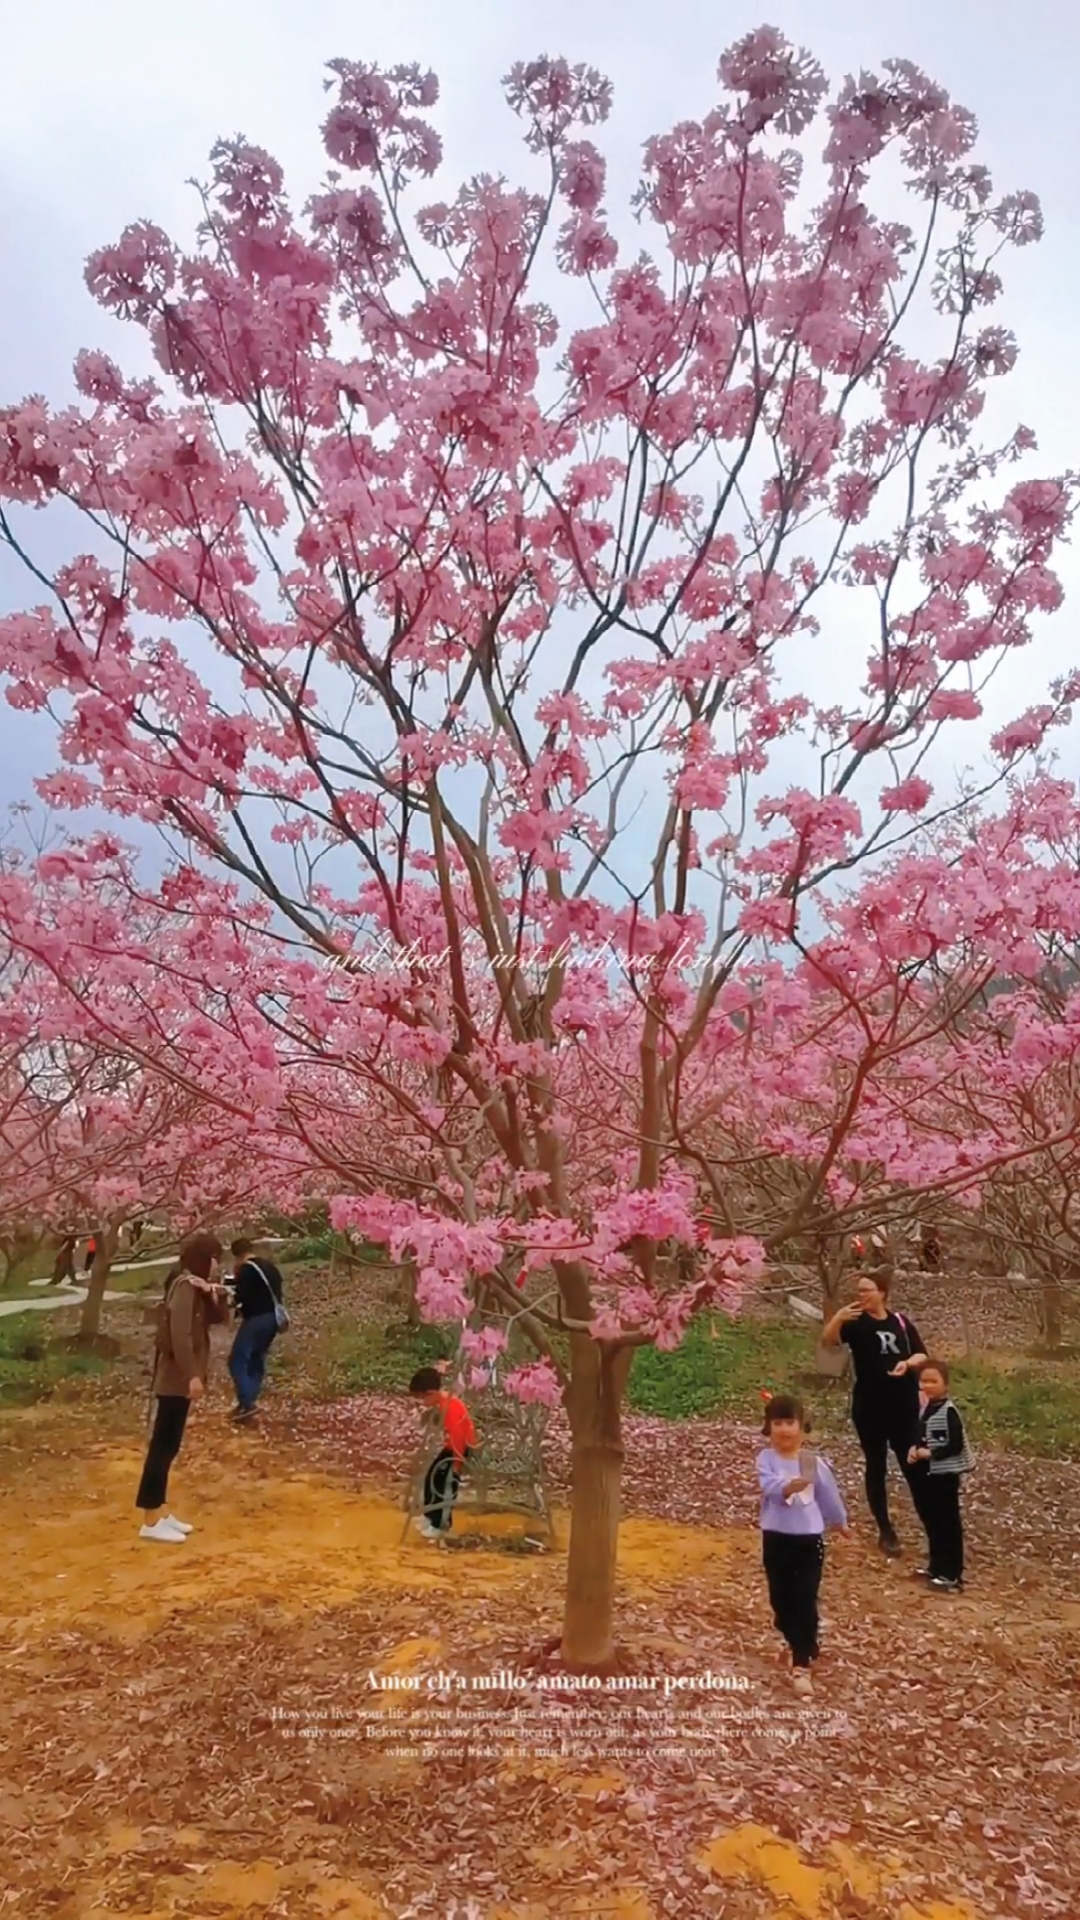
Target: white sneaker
[
  {"x": 425, "y": 1529},
  {"x": 180, "y": 1525},
  {"x": 163, "y": 1530},
  {"x": 803, "y": 1684}
]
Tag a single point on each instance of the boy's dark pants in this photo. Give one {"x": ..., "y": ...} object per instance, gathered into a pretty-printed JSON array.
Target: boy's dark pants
[
  {"x": 794, "y": 1564},
  {"x": 937, "y": 1496},
  {"x": 441, "y": 1482}
]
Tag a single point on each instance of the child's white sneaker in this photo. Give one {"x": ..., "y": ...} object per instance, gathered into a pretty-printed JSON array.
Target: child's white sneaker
[
  {"x": 426, "y": 1531},
  {"x": 803, "y": 1684},
  {"x": 180, "y": 1525},
  {"x": 163, "y": 1530}
]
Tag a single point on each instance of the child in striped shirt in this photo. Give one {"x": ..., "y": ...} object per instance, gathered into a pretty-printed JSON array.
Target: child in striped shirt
[{"x": 939, "y": 1459}]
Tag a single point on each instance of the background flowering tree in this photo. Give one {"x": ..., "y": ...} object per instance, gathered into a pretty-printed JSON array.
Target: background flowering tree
[
  {"x": 27, "y": 1107},
  {"x": 487, "y": 653},
  {"x": 1006, "y": 1111},
  {"x": 97, "y": 1132}
]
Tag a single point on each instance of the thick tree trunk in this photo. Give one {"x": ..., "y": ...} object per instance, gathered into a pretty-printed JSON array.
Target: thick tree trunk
[
  {"x": 1052, "y": 1313},
  {"x": 412, "y": 1311},
  {"x": 597, "y": 1380},
  {"x": 90, "y": 1318},
  {"x": 18, "y": 1253},
  {"x": 830, "y": 1363}
]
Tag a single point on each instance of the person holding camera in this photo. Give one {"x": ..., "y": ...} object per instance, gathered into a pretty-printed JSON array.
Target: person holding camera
[{"x": 257, "y": 1295}]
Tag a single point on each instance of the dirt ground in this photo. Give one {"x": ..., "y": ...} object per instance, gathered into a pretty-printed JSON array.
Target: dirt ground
[{"x": 201, "y": 1730}]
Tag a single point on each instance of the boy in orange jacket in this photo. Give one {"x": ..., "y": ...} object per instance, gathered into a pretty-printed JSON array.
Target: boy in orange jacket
[{"x": 443, "y": 1476}]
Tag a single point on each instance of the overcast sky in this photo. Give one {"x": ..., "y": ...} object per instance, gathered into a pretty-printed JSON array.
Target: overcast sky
[{"x": 110, "y": 108}]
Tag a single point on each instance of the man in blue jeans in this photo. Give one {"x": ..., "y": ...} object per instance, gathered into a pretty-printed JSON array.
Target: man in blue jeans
[{"x": 257, "y": 1286}]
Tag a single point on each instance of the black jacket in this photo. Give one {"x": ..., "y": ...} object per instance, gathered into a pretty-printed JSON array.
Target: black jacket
[{"x": 252, "y": 1293}]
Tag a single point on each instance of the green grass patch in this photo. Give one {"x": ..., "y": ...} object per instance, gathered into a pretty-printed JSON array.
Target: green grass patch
[
  {"x": 1033, "y": 1408},
  {"x": 30, "y": 1367},
  {"x": 723, "y": 1366},
  {"x": 360, "y": 1356},
  {"x": 319, "y": 1248},
  {"x": 143, "y": 1279}
]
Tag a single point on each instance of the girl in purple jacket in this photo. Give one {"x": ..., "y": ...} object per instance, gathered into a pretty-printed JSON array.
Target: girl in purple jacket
[{"x": 799, "y": 1499}]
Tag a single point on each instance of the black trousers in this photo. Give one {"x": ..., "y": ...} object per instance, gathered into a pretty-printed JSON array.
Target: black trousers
[
  {"x": 878, "y": 1430},
  {"x": 794, "y": 1564},
  {"x": 441, "y": 1483},
  {"x": 937, "y": 1496},
  {"x": 168, "y": 1431}
]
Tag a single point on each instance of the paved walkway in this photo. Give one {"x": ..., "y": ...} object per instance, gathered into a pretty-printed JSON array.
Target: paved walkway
[
  {"x": 58, "y": 1297},
  {"x": 118, "y": 1266},
  {"x": 66, "y": 1295}
]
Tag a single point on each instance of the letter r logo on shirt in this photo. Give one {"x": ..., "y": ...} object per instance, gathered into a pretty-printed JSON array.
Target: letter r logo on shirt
[{"x": 888, "y": 1343}]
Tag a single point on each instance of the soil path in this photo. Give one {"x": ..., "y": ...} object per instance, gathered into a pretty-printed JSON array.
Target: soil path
[{"x": 245, "y": 1724}]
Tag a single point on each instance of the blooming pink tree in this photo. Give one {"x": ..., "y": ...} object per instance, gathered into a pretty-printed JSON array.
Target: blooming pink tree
[
  {"x": 946, "y": 985},
  {"x": 27, "y": 1108},
  {"x": 991, "y": 1120},
  {"x": 96, "y": 1133},
  {"x": 487, "y": 652}
]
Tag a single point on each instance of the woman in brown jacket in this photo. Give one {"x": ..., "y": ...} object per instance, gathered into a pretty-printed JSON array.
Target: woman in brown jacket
[{"x": 193, "y": 1304}]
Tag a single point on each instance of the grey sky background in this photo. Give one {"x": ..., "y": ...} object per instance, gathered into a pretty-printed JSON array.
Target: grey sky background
[{"x": 110, "y": 109}]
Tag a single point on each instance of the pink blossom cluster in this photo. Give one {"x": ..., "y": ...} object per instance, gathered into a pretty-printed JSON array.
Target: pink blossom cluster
[{"x": 531, "y": 903}]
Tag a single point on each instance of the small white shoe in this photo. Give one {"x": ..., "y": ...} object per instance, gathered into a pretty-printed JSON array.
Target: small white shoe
[
  {"x": 180, "y": 1525},
  {"x": 426, "y": 1531},
  {"x": 163, "y": 1530},
  {"x": 803, "y": 1684}
]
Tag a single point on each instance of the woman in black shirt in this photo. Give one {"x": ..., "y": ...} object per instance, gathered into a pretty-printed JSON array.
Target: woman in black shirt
[{"x": 886, "y": 1355}]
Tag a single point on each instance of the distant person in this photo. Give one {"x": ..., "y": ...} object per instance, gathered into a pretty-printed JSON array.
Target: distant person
[
  {"x": 91, "y": 1253},
  {"x": 886, "y": 1354},
  {"x": 64, "y": 1265},
  {"x": 193, "y": 1303},
  {"x": 443, "y": 1477},
  {"x": 864, "y": 1249},
  {"x": 136, "y": 1234},
  {"x": 939, "y": 1459},
  {"x": 930, "y": 1251},
  {"x": 258, "y": 1294},
  {"x": 799, "y": 1500}
]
